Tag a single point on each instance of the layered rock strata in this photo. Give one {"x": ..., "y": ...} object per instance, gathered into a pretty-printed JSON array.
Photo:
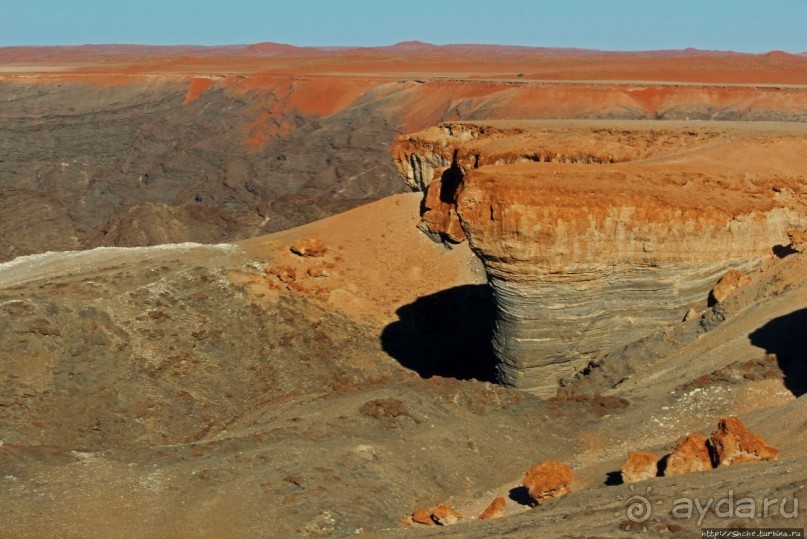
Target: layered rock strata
[{"x": 594, "y": 237}]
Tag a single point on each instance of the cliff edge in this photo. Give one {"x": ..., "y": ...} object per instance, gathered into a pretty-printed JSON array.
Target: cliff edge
[{"x": 594, "y": 236}]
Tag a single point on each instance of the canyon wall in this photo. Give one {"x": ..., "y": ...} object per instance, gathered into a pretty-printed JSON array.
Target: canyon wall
[
  {"x": 142, "y": 160},
  {"x": 162, "y": 151},
  {"x": 593, "y": 237}
]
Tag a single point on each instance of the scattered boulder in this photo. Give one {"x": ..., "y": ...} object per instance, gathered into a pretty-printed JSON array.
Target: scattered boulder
[
  {"x": 727, "y": 285},
  {"x": 442, "y": 514},
  {"x": 284, "y": 274},
  {"x": 313, "y": 247},
  {"x": 640, "y": 465},
  {"x": 691, "y": 314},
  {"x": 690, "y": 455},
  {"x": 798, "y": 240},
  {"x": 391, "y": 412},
  {"x": 548, "y": 479},
  {"x": 494, "y": 510},
  {"x": 733, "y": 443},
  {"x": 423, "y": 516},
  {"x": 381, "y": 408},
  {"x": 318, "y": 272},
  {"x": 445, "y": 515}
]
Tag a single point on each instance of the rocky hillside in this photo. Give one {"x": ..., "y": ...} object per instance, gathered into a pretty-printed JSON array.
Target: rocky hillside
[
  {"x": 257, "y": 390},
  {"x": 142, "y": 162}
]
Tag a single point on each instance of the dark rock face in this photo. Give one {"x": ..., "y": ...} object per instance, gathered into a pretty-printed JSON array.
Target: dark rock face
[
  {"x": 131, "y": 165},
  {"x": 32, "y": 221}
]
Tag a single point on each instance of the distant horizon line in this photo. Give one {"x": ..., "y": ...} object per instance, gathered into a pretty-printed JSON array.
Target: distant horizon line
[{"x": 407, "y": 44}]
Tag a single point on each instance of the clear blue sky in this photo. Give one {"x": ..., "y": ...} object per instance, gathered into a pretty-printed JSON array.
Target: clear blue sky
[{"x": 742, "y": 25}]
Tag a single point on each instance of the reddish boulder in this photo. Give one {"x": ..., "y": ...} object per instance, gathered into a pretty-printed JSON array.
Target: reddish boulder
[
  {"x": 690, "y": 455},
  {"x": 733, "y": 443},
  {"x": 548, "y": 479},
  {"x": 423, "y": 516},
  {"x": 318, "y": 272},
  {"x": 640, "y": 465},
  {"x": 494, "y": 510},
  {"x": 313, "y": 247},
  {"x": 798, "y": 240},
  {"x": 445, "y": 515},
  {"x": 728, "y": 284},
  {"x": 284, "y": 274}
]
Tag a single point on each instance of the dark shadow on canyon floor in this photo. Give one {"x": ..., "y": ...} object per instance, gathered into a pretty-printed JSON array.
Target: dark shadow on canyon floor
[
  {"x": 782, "y": 251},
  {"x": 520, "y": 495},
  {"x": 446, "y": 334},
  {"x": 613, "y": 479},
  {"x": 784, "y": 336}
]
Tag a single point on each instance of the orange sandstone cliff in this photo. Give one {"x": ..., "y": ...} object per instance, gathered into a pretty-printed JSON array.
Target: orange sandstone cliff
[{"x": 593, "y": 236}]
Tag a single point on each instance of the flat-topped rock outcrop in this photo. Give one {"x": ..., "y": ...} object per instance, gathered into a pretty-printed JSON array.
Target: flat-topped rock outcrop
[{"x": 608, "y": 234}]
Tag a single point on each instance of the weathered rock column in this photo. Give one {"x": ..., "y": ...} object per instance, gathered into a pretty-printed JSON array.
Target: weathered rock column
[{"x": 582, "y": 268}]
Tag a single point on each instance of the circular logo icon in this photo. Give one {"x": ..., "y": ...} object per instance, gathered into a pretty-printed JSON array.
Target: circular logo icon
[{"x": 638, "y": 508}]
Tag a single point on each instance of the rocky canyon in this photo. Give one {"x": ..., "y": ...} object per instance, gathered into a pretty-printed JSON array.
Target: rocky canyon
[{"x": 403, "y": 291}]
